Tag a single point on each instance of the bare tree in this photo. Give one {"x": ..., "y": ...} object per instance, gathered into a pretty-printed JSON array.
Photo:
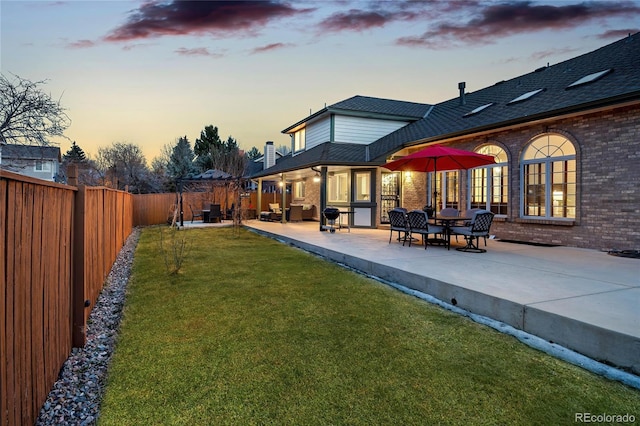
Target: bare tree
[
  {"x": 27, "y": 114},
  {"x": 124, "y": 165},
  {"x": 230, "y": 159}
]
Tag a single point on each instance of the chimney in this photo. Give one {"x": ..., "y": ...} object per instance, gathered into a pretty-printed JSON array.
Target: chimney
[
  {"x": 461, "y": 87},
  {"x": 269, "y": 155}
]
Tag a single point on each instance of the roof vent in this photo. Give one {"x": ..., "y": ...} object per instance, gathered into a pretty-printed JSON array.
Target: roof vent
[{"x": 461, "y": 87}]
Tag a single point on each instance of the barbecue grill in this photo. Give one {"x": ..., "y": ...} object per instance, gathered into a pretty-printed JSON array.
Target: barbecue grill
[{"x": 331, "y": 214}]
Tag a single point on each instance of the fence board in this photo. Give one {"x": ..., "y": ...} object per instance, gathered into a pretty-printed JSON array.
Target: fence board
[
  {"x": 37, "y": 300},
  {"x": 4, "y": 385}
]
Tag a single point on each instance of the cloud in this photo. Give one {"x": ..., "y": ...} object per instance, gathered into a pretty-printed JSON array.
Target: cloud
[
  {"x": 355, "y": 20},
  {"x": 500, "y": 20},
  {"x": 198, "y": 51},
  {"x": 270, "y": 47},
  {"x": 155, "y": 19},
  {"x": 537, "y": 56},
  {"x": 81, "y": 44},
  {"x": 382, "y": 13},
  {"x": 617, "y": 34}
]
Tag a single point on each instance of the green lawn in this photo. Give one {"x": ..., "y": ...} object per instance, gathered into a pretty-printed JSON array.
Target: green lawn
[{"x": 254, "y": 332}]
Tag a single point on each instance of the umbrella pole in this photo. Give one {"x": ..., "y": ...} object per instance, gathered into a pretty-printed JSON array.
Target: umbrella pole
[{"x": 435, "y": 187}]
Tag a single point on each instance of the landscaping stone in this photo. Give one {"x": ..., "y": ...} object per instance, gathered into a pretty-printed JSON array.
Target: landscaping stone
[{"x": 76, "y": 395}]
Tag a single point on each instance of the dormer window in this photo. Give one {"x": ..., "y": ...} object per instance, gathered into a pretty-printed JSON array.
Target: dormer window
[
  {"x": 589, "y": 78},
  {"x": 525, "y": 96},
  {"x": 478, "y": 109},
  {"x": 299, "y": 140}
]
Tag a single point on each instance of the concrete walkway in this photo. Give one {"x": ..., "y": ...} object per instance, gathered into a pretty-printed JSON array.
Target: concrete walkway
[{"x": 585, "y": 300}]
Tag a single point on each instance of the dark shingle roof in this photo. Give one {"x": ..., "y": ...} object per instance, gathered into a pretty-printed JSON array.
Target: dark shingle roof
[
  {"x": 326, "y": 154},
  {"x": 31, "y": 152},
  {"x": 382, "y": 106},
  {"x": 448, "y": 119},
  {"x": 365, "y": 106}
]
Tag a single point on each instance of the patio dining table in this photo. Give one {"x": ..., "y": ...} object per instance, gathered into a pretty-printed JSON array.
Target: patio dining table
[{"x": 447, "y": 222}]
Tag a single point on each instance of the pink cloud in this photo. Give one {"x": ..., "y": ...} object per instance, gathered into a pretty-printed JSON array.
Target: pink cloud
[{"x": 270, "y": 47}]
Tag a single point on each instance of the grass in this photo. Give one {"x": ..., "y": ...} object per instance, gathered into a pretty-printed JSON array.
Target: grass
[{"x": 253, "y": 332}]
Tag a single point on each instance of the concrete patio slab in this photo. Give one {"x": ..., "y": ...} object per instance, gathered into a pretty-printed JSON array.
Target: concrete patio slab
[{"x": 584, "y": 300}]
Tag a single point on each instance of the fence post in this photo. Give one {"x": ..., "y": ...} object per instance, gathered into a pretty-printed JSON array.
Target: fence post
[
  {"x": 79, "y": 337},
  {"x": 72, "y": 174}
]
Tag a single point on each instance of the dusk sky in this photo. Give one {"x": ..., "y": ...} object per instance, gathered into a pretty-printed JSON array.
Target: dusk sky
[{"x": 149, "y": 72}]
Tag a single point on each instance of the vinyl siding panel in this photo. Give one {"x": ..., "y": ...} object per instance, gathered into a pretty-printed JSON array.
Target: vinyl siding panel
[
  {"x": 363, "y": 130},
  {"x": 318, "y": 132}
]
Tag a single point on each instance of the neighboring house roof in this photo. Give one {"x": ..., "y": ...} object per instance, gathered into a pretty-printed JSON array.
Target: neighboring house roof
[
  {"x": 364, "y": 106},
  {"x": 31, "y": 152},
  {"x": 613, "y": 75}
]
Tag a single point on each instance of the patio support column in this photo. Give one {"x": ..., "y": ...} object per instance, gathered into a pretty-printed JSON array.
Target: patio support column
[
  {"x": 323, "y": 195},
  {"x": 284, "y": 199},
  {"x": 259, "y": 199}
]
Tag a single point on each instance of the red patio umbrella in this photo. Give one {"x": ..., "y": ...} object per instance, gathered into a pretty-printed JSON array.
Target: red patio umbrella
[{"x": 438, "y": 158}]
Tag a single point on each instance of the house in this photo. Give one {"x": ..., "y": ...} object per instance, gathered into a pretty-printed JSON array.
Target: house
[
  {"x": 42, "y": 162},
  {"x": 565, "y": 139}
]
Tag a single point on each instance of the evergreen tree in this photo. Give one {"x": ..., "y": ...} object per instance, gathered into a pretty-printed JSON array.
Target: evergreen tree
[
  {"x": 75, "y": 154},
  {"x": 181, "y": 161},
  {"x": 208, "y": 142},
  {"x": 254, "y": 153}
]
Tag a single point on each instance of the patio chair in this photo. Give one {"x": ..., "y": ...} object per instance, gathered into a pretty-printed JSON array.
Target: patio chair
[
  {"x": 419, "y": 224},
  {"x": 480, "y": 225},
  {"x": 275, "y": 211},
  {"x": 449, "y": 211},
  {"x": 399, "y": 224},
  {"x": 471, "y": 213},
  {"x": 195, "y": 214},
  {"x": 216, "y": 213}
]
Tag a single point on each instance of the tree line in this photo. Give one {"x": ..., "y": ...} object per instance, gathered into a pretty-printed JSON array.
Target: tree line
[{"x": 30, "y": 116}]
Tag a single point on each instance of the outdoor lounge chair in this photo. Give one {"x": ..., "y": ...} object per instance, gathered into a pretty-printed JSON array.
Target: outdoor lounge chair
[
  {"x": 195, "y": 214},
  {"x": 419, "y": 224},
  {"x": 399, "y": 223},
  {"x": 480, "y": 225},
  {"x": 275, "y": 212}
]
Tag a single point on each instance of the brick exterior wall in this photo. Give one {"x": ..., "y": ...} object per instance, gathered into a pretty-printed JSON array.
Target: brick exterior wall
[{"x": 608, "y": 181}]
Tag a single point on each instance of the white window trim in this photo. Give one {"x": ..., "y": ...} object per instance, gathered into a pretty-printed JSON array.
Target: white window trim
[{"x": 548, "y": 197}]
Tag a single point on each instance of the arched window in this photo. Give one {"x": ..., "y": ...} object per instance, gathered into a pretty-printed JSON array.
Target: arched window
[
  {"x": 549, "y": 178},
  {"x": 489, "y": 185}
]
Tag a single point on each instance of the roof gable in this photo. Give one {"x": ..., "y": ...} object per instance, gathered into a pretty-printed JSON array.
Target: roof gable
[{"x": 365, "y": 106}]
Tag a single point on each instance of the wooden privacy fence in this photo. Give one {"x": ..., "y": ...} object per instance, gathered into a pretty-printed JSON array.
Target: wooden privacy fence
[
  {"x": 153, "y": 209},
  {"x": 58, "y": 245}
]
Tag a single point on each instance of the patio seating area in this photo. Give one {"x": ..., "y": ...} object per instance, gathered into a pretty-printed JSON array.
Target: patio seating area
[{"x": 584, "y": 300}]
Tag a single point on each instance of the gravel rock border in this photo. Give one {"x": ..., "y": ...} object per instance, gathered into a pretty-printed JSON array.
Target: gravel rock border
[{"x": 76, "y": 395}]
